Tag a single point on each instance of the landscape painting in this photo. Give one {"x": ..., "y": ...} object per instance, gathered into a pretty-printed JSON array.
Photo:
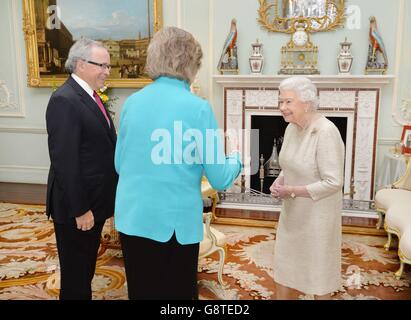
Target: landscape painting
[{"x": 125, "y": 27}]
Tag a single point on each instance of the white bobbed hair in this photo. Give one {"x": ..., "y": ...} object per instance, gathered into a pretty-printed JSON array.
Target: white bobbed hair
[{"x": 304, "y": 88}]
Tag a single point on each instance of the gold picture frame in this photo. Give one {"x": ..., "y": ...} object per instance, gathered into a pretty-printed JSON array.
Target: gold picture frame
[{"x": 46, "y": 51}]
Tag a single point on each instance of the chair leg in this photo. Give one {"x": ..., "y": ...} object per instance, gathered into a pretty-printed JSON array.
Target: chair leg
[
  {"x": 221, "y": 253},
  {"x": 398, "y": 274},
  {"x": 214, "y": 202},
  {"x": 388, "y": 244},
  {"x": 380, "y": 220}
]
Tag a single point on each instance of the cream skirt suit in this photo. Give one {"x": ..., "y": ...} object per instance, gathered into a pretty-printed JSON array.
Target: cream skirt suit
[{"x": 308, "y": 242}]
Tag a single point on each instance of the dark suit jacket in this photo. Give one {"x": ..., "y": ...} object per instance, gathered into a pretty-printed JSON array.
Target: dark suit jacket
[{"x": 81, "y": 147}]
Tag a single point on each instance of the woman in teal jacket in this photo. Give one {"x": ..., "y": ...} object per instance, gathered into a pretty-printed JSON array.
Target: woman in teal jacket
[{"x": 168, "y": 139}]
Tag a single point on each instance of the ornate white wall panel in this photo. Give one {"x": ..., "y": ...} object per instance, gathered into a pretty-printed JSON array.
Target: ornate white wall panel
[
  {"x": 365, "y": 143},
  {"x": 7, "y": 102},
  {"x": 235, "y": 102},
  {"x": 263, "y": 98},
  {"x": 337, "y": 100},
  {"x": 11, "y": 84}
]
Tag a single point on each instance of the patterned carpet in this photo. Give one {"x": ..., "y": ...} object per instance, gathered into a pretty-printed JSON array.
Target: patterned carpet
[{"x": 28, "y": 264}]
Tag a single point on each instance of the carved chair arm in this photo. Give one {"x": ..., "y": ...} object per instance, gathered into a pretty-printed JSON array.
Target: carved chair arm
[{"x": 207, "y": 216}]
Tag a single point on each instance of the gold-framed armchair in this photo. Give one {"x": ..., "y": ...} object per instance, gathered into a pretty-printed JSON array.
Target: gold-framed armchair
[
  {"x": 207, "y": 191},
  {"x": 213, "y": 241},
  {"x": 395, "y": 204},
  {"x": 389, "y": 195}
]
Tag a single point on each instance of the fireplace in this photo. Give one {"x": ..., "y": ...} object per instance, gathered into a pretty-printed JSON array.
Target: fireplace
[
  {"x": 272, "y": 128},
  {"x": 351, "y": 102}
]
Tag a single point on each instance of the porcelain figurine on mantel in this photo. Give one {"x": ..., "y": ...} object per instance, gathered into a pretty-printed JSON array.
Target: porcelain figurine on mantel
[
  {"x": 228, "y": 63},
  {"x": 256, "y": 59},
  {"x": 377, "y": 60},
  {"x": 345, "y": 58}
]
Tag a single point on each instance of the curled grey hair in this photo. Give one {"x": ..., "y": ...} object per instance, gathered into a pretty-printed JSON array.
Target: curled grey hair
[
  {"x": 175, "y": 53},
  {"x": 81, "y": 50},
  {"x": 304, "y": 88}
]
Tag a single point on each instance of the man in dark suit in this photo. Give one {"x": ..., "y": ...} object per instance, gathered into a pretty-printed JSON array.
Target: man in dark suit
[{"x": 82, "y": 181}]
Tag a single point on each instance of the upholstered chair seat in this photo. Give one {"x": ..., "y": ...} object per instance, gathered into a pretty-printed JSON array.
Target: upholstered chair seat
[
  {"x": 387, "y": 197},
  {"x": 395, "y": 203},
  {"x": 398, "y": 216}
]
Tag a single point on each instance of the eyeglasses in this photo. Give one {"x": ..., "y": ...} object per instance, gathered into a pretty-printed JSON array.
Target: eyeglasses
[{"x": 101, "y": 65}]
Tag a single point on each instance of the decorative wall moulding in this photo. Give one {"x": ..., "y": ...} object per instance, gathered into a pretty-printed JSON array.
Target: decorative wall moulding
[
  {"x": 403, "y": 115},
  {"x": 8, "y": 107},
  {"x": 23, "y": 174},
  {"x": 387, "y": 142},
  {"x": 22, "y": 130},
  {"x": 12, "y": 101},
  {"x": 5, "y": 96}
]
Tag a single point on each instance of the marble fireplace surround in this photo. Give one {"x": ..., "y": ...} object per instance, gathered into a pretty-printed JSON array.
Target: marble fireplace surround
[{"x": 357, "y": 98}]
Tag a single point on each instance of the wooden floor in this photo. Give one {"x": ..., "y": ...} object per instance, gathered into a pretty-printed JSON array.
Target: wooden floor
[{"x": 23, "y": 193}]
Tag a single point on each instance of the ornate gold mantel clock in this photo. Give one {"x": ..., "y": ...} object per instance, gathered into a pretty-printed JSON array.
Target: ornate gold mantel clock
[{"x": 299, "y": 55}]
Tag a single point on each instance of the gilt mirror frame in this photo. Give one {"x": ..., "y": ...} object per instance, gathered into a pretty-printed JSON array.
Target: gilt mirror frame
[
  {"x": 36, "y": 34},
  {"x": 329, "y": 18}
]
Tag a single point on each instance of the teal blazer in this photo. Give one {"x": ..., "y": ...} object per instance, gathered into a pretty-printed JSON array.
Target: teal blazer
[{"x": 167, "y": 141}]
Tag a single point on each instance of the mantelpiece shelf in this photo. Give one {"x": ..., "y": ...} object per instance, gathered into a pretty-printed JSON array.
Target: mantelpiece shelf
[{"x": 274, "y": 80}]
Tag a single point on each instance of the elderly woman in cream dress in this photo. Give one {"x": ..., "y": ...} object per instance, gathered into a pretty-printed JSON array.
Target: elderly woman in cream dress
[{"x": 307, "y": 254}]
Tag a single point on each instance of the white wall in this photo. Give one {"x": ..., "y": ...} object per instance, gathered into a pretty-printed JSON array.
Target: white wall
[{"x": 23, "y": 140}]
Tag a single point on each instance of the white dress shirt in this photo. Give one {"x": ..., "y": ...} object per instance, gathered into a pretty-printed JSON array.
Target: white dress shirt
[
  {"x": 84, "y": 85},
  {"x": 89, "y": 90}
]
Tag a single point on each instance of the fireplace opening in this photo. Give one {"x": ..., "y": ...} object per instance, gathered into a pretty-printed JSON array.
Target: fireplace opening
[{"x": 271, "y": 130}]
